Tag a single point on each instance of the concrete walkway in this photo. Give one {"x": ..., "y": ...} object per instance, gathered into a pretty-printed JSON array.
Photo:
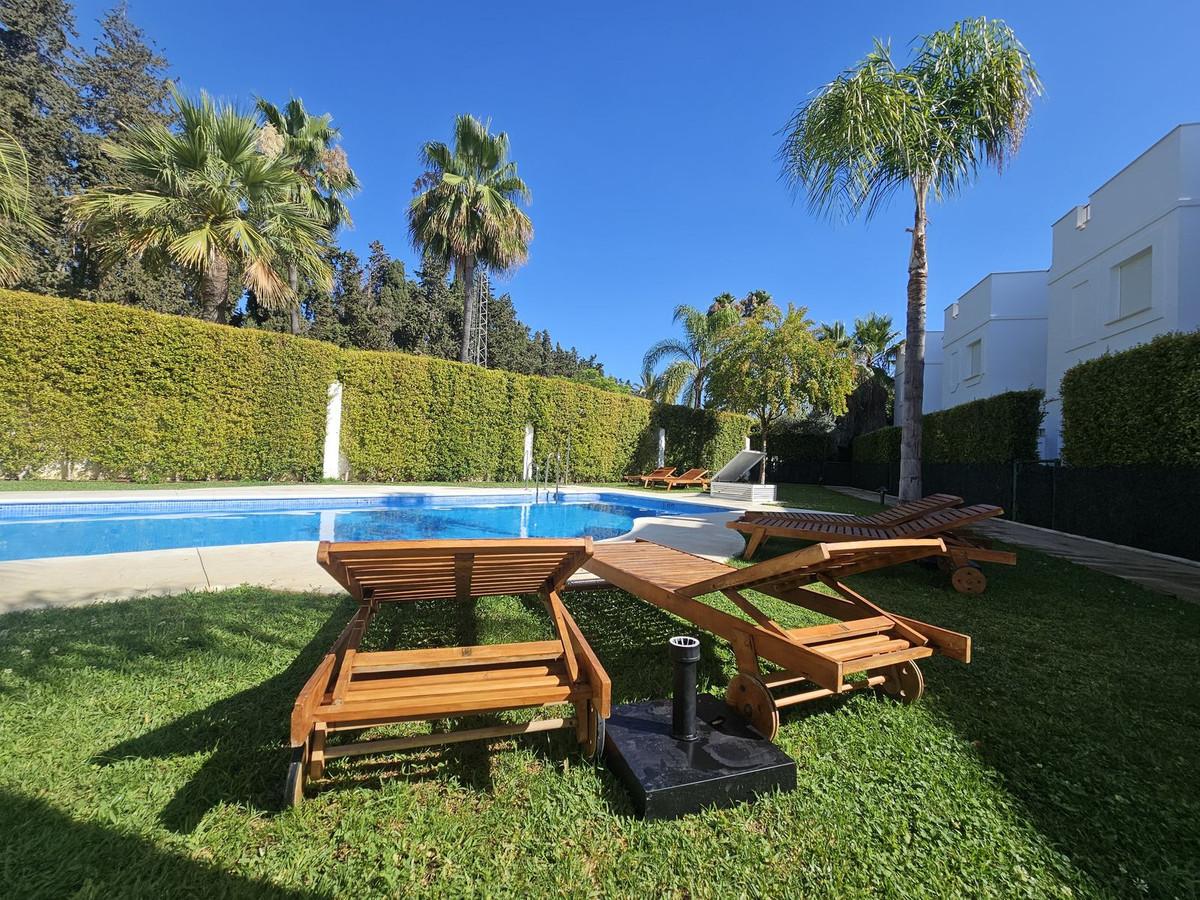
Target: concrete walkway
[
  {"x": 291, "y": 565},
  {"x": 1156, "y": 571}
]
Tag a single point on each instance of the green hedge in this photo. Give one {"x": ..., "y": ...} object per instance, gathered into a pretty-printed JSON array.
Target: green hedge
[
  {"x": 797, "y": 446},
  {"x": 996, "y": 429},
  {"x": 153, "y": 397},
  {"x": 1140, "y": 406}
]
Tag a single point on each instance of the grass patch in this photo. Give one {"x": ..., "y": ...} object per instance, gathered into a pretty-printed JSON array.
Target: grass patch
[{"x": 143, "y": 756}]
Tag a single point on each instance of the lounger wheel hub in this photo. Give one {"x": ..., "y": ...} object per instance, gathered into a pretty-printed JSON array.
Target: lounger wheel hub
[
  {"x": 751, "y": 699},
  {"x": 969, "y": 579},
  {"x": 904, "y": 682},
  {"x": 293, "y": 792},
  {"x": 593, "y": 747}
]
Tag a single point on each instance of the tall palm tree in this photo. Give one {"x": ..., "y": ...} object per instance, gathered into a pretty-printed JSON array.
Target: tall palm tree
[
  {"x": 18, "y": 221},
  {"x": 691, "y": 356},
  {"x": 466, "y": 209},
  {"x": 929, "y": 127},
  {"x": 650, "y": 385},
  {"x": 834, "y": 332},
  {"x": 326, "y": 176},
  {"x": 208, "y": 199}
]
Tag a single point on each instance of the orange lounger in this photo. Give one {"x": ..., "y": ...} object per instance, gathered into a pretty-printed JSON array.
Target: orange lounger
[
  {"x": 816, "y": 661},
  {"x": 657, "y": 475},
  {"x": 962, "y": 553},
  {"x": 690, "y": 478},
  {"x": 353, "y": 690}
]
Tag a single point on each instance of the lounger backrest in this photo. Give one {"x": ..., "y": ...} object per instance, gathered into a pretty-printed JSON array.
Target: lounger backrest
[
  {"x": 912, "y": 509},
  {"x": 834, "y": 561},
  {"x": 692, "y": 474},
  {"x": 434, "y": 570},
  {"x": 945, "y": 520}
]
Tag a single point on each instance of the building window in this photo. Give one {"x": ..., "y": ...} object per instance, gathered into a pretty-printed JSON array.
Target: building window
[
  {"x": 1133, "y": 284},
  {"x": 975, "y": 358}
]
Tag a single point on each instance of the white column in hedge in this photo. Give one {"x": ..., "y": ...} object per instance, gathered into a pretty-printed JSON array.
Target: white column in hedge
[
  {"x": 662, "y": 447},
  {"x": 747, "y": 443},
  {"x": 527, "y": 460},
  {"x": 333, "y": 431}
]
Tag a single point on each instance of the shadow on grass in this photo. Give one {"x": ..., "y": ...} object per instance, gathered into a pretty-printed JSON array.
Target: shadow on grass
[
  {"x": 1081, "y": 695},
  {"x": 46, "y": 853}
]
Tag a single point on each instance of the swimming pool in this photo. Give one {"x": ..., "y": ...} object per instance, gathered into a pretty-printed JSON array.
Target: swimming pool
[{"x": 35, "y": 530}]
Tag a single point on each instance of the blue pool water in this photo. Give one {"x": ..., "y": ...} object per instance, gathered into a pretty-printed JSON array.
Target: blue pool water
[{"x": 32, "y": 530}]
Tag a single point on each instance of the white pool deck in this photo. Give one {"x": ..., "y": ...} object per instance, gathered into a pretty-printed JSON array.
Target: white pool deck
[{"x": 292, "y": 565}]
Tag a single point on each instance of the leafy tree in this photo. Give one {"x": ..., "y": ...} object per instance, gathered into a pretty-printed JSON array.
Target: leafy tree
[
  {"x": 690, "y": 357},
  {"x": 928, "y": 127},
  {"x": 38, "y": 106},
  {"x": 467, "y": 209},
  {"x": 326, "y": 179},
  {"x": 773, "y": 367},
  {"x": 207, "y": 199},
  {"x": 122, "y": 83},
  {"x": 597, "y": 379}
]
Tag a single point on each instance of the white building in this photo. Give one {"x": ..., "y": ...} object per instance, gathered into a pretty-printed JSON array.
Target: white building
[
  {"x": 933, "y": 378},
  {"x": 994, "y": 339},
  {"x": 1125, "y": 266}
]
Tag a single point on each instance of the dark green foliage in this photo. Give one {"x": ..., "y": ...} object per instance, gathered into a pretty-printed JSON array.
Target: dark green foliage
[
  {"x": 407, "y": 418},
  {"x": 797, "y": 446},
  {"x": 144, "y": 396},
  {"x": 150, "y": 397},
  {"x": 1139, "y": 407},
  {"x": 996, "y": 429}
]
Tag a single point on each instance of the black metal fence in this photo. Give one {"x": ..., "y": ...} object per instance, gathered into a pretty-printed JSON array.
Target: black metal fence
[{"x": 1152, "y": 507}]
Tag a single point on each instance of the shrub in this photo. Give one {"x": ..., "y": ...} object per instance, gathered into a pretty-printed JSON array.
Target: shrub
[
  {"x": 996, "y": 429},
  {"x": 151, "y": 397},
  {"x": 1140, "y": 406}
]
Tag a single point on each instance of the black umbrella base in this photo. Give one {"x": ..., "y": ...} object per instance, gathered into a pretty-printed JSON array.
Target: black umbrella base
[{"x": 666, "y": 778}]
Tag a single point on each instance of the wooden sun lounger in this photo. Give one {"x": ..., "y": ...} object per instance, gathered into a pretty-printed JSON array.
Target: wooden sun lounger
[
  {"x": 902, "y": 512},
  {"x": 962, "y": 552},
  {"x": 865, "y": 638},
  {"x": 353, "y": 690},
  {"x": 656, "y": 475},
  {"x": 690, "y": 478}
]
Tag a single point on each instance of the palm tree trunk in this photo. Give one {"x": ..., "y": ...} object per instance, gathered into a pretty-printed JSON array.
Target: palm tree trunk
[
  {"x": 214, "y": 289},
  {"x": 466, "y": 268},
  {"x": 293, "y": 275},
  {"x": 914, "y": 355}
]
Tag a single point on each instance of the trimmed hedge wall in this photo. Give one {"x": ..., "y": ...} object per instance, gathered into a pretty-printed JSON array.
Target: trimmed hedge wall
[
  {"x": 1137, "y": 407},
  {"x": 154, "y": 397},
  {"x": 996, "y": 429}
]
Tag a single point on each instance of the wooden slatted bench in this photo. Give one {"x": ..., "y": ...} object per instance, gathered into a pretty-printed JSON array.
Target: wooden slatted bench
[{"x": 353, "y": 690}]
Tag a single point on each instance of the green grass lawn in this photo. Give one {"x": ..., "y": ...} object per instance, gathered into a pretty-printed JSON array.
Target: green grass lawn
[{"x": 142, "y": 755}]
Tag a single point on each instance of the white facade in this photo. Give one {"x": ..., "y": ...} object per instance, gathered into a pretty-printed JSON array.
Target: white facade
[
  {"x": 1125, "y": 266},
  {"x": 932, "y": 400},
  {"x": 994, "y": 339}
]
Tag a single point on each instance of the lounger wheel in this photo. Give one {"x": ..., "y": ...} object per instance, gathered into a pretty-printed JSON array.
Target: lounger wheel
[
  {"x": 905, "y": 683},
  {"x": 751, "y": 699},
  {"x": 969, "y": 579},
  {"x": 293, "y": 792},
  {"x": 593, "y": 748}
]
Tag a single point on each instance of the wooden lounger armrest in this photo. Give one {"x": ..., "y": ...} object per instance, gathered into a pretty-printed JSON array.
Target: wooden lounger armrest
[
  {"x": 589, "y": 665},
  {"x": 309, "y": 699},
  {"x": 943, "y": 640}
]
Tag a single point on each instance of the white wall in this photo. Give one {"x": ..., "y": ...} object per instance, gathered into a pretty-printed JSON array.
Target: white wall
[
  {"x": 1152, "y": 204},
  {"x": 932, "y": 400},
  {"x": 1005, "y": 314}
]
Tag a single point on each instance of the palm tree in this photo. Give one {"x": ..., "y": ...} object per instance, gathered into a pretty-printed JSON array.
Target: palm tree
[
  {"x": 18, "y": 221},
  {"x": 327, "y": 179},
  {"x": 650, "y": 386},
  {"x": 835, "y": 332},
  {"x": 466, "y": 209},
  {"x": 208, "y": 199},
  {"x": 876, "y": 342},
  {"x": 692, "y": 355},
  {"x": 962, "y": 104}
]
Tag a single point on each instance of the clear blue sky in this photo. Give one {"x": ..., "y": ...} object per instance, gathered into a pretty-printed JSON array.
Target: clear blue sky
[{"x": 647, "y": 132}]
